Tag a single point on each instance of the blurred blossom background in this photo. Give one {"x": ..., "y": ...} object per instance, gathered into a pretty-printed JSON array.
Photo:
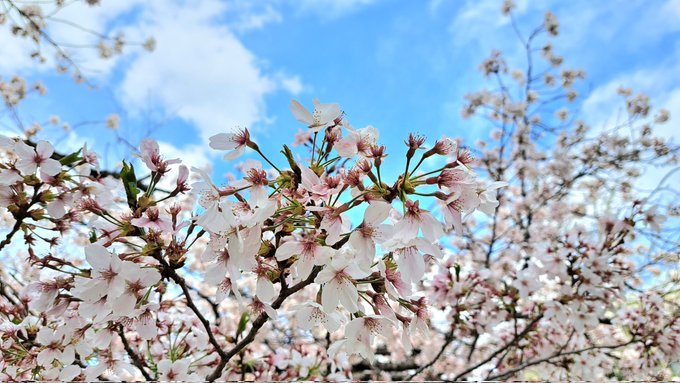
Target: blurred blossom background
[{"x": 401, "y": 66}]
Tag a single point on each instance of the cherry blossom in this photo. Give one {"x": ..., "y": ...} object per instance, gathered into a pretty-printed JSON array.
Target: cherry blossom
[
  {"x": 236, "y": 143},
  {"x": 312, "y": 314},
  {"x": 336, "y": 280},
  {"x": 360, "y": 333},
  {"x": 310, "y": 254},
  {"x": 324, "y": 115},
  {"x": 31, "y": 159}
]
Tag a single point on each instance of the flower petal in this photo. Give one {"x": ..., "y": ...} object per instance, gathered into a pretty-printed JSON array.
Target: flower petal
[{"x": 301, "y": 113}]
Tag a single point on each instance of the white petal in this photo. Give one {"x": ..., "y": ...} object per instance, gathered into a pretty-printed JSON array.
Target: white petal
[
  {"x": 68, "y": 355},
  {"x": 223, "y": 141},
  {"x": 411, "y": 266},
  {"x": 50, "y": 167},
  {"x": 406, "y": 229},
  {"x": 332, "y": 322},
  {"x": 147, "y": 329},
  {"x": 265, "y": 290},
  {"x": 26, "y": 165},
  {"x": 304, "y": 266},
  {"x": 69, "y": 372},
  {"x": 328, "y": 112},
  {"x": 301, "y": 113},
  {"x": 432, "y": 228},
  {"x": 124, "y": 305},
  {"x": 271, "y": 313},
  {"x": 325, "y": 275},
  {"x": 377, "y": 212},
  {"x": 323, "y": 255},
  {"x": 347, "y": 146},
  {"x": 22, "y": 150},
  {"x": 309, "y": 178},
  {"x": 234, "y": 154},
  {"x": 287, "y": 250},
  {"x": 6, "y": 143},
  {"x": 97, "y": 256},
  {"x": 349, "y": 296},
  {"x": 330, "y": 296}
]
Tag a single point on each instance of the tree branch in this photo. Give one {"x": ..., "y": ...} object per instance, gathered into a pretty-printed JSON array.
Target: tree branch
[
  {"x": 136, "y": 360},
  {"x": 514, "y": 340}
]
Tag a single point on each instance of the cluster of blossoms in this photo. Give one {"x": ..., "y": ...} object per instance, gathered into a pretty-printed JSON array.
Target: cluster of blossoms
[
  {"x": 322, "y": 269},
  {"x": 346, "y": 246},
  {"x": 575, "y": 275}
]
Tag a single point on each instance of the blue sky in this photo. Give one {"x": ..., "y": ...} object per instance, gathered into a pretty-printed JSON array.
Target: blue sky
[{"x": 398, "y": 65}]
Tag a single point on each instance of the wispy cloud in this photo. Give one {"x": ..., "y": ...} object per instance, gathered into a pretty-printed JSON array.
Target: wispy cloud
[
  {"x": 201, "y": 72},
  {"x": 329, "y": 9}
]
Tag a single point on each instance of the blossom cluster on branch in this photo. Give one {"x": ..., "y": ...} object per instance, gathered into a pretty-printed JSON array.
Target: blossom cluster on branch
[
  {"x": 330, "y": 222},
  {"x": 310, "y": 264}
]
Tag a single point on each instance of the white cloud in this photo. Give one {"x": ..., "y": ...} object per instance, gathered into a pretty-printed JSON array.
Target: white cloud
[
  {"x": 14, "y": 53},
  {"x": 329, "y": 9},
  {"x": 291, "y": 84},
  {"x": 191, "y": 155},
  {"x": 71, "y": 25},
  {"x": 248, "y": 19},
  {"x": 200, "y": 72}
]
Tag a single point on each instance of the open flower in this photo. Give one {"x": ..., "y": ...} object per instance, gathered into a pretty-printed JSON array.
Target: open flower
[
  {"x": 151, "y": 155},
  {"x": 152, "y": 219},
  {"x": 338, "y": 284},
  {"x": 410, "y": 256},
  {"x": 234, "y": 142},
  {"x": 324, "y": 114},
  {"x": 357, "y": 142},
  {"x": 52, "y": 340},
  {"x": 417, "y": 219},
  {"x": 177, "y": 371},
  {"x": 457, "y": 206},
  {"x": 30, "y": 159},
  {"x": 138, "y": 280},
  {"x": 311, "y": 253},
  {"x": 364, "y": 238},
  {"x": 320, "y": 187},
  {"x": 108, "y": 275},
  {"x": 312, "y": 314},
  {"x": 360, "y": 333}
]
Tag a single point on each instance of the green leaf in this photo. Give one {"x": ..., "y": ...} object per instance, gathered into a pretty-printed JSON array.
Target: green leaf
[
  {"x": 127, "y": 175},
  {"x": 291, "y": 161},
  {"x": 71, "y": 158},
  {"x": 242, "y": 323}
]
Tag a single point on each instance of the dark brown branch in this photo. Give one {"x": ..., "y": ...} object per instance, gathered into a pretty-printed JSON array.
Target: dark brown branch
[
  {"x": 514, "y": 340},
  {"x": 263, "y": 318},
  {"x": 214, "y": 306},
  {"x": 170, "y": 272},
  {"x": 22, "y": 214},
  {"x": 557, "y": 355},
  {"x": 136, "y": 360},
  {"x": 259, "y": 322},
  {"x": 449, "y": 338}
]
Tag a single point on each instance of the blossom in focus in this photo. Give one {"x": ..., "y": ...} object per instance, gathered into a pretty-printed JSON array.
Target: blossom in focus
[
  {"x": 31, "y": 159},
  {"x": 235, "y": 143},
  {"x": 324, "y": 115},
  {"x": 338, "y": 286}
]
